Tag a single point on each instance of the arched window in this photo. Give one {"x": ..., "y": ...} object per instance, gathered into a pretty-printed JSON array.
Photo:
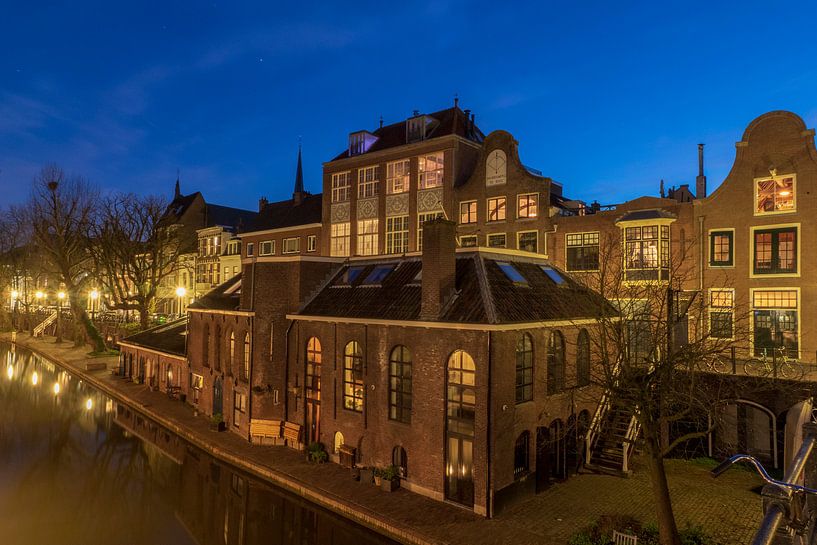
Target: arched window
[
  {"x": 400, "y": 384},
  {"x": 247, "y": 353},
  {"x": 399, "y": 459},
  {"x": 338, "y": 442},
  {"x": 353, "y": 377},
  {"x": 217, "y": 347},
  {"x": 461, "y": 408},
  {"x": 583, "y": 359},
  {"x": 205, "y": 346},
  {"x": 313, "y": 368},
  {"x": 232, "y": 350},
  {"x": 521, "y": 455},
  {"x": 524, "y": 369},
  {"x": 556, "y": 363}
]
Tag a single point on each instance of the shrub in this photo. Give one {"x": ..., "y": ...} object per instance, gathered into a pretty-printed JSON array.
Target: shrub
[
  {"x": 389, "y": 473},
  {"x": 317, "y": 452}
]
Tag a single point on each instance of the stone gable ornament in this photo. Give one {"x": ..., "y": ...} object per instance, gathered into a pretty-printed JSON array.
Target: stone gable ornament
[{"x": 496, "y": 171}]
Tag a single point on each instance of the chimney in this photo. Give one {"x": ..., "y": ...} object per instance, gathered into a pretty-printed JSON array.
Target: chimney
[
  {"x": 262, "y": 202},
  {"x": 700, "y": 181},
  {"x": 663, "y": 193},
  {"x": 439, "y": 266}
]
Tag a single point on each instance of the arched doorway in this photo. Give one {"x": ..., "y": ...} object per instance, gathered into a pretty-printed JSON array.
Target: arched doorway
[
  {"x": 218, "y": 397},
  {"x": 313, "y": 389},
  {"x": 743, "y": 426},
  {"x": 461, "y": 405}
]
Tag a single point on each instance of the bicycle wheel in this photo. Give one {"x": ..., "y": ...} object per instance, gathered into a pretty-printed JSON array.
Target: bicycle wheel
[
  {"x": 754, "y": 367},
  {"x": 721, "y": 365},
  {"x": 787, "y": 370}
]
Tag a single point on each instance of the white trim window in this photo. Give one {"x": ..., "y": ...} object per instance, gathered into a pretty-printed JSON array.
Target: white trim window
[
  {"x": 775, "y": 195},
  {"x": 368, "y": 182},
  {"x": 397, "y": 176},
  {"x": 421, "y": 219},
  {"x": 528, "y": 241},
  {"x": 496, "y": 209},
  {"x": 582, "y": 251},
  {"x": 340, "y": 239},
  {"x": 468, "y": 212},
  {"x": 311, "y": 243},
  {"x": 527, "y": 205},
  {"x": 721, "y": 313},
  {"x": 497, "y": 240},
  {"x": 431, "y": 168},
  {"x": 646, "y": 253},
  {"x": 266, "y": 247},
  {"x": 397, "y": 234},
  {"x": 367, "y": 237},
  {"x": 775, "y": 322},
  {"x": 340, "y": 187},
  {"x": 250, "y": 248},
  {"x": 291, "y": 245},
  {"x": 469, "y": 241}
]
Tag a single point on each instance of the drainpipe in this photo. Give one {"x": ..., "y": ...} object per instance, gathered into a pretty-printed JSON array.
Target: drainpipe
[
  {"x": 546, "y": 233},
  {"x": 701, "y": 268},
  {"x": 286, "y": 370},
  {"x": 489, "y": 504}
]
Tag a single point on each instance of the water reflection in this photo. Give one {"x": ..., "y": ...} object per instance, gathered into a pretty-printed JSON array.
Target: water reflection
[{"x": 77, "y": 469}]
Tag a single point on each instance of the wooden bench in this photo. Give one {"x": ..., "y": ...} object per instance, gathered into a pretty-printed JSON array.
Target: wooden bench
[
  {"x": 261, "y": 430},
  {"x": 292, "y": 434}
]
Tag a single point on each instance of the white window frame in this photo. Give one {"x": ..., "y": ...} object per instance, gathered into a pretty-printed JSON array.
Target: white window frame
[
  {"x": 291, "y": 245},
  {"x": 493, "y": 235},
  {"x": 311, "y": 243},
  {"x": 398, "y": 176},
  {"x": 721, "y": 308},
  {"x": 341, "y": 186},
  {"x": 270, "y": 247},
  {"x": 250, "y": 248},
  {"x": 431, "y": 170},
  {"x": 585, "y": 239},
  {"x": 475, "y": 238},
  {"x": 394, "y": 236},
  {"x": 797, "y": 309},
  {"x": 367, "y": 237},
  {"x": 423, "y": 217},
  {"x": 519, "y": 236},
  {"x": 775, "y": 178},
  {"x": 532, "y": 197},
  {"x": 340, "y": 239},
  {"x": 368, "y": 182}
]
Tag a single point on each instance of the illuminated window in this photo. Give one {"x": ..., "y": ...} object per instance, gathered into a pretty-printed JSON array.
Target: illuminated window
[
  {"x": 496, "y": 240},
  {"x": 397, "y": 176},
  {"x": 528, "y": 241},
  {"x": 496, "y": 209},
  {"x": 367, "y": 237},
  {"x": 775, "y": 322},
  {"x": 247, "y": 354},
  {"x": 431, "y": 168},
  {"x": 524, "y": 369},
  {"x": 397, "y": 229},
  {"x": 527, "y": 205},
  {"x": 340, "y": 239},
  {"x": 721, "y": 248},
  {"x": 582, "y": 251},
  {"x": 646, "y": 253},
  {"x": 400, "y": 385},
  {"x": 468, "y": 212},
  {"x": 775, "y": 195},
  {"x": 232, "y": 351},
  {"x": 721, "y": 313},
  {"x": 775, "y": 251},
  {"x": 421, "y": 219},
  {"x": 291, "y": 245},
  {"x": 313, "y": 369},
  {"x": 353, "y": 377},
  {"x": 368, "y": 182},
  {"x": 340, "y": 187}
]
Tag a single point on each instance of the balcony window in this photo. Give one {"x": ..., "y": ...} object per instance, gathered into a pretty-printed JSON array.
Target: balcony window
[
  {"x": 646, "y": 253},
  {"x": 775, "y": 251}
]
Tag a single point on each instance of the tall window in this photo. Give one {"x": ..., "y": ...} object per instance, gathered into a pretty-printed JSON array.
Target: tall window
[
  {"x": 247, "y": 353},
  {"x": 460, "y": 412},
  {"x": 528, "y": 241},
  {"x": 313, "y": 368},
  {"x": 468, "y": 212},
  {"x": 250, "y": 249},
  {"x": 647, "y": 252},
  {"x": 340, "y": 187},
  {"x": 521, "y": 456},
  {"x": 496, "y": 209},
  {"x": 232, "y": 351},
  {"x": 721, "y": 248},
  {"x": 775, "y": 251},
  {"x": 431, "y": 168},
  {"x": 311, "y": 243},
  {"x": 400, "y": 384},
  {"x": 556, "y": 363},
  {"x": 775, "y": 195},
  {"x": 340, "y": 239},
  {"x": 582, "y": 251},
  {"x": 421, "y": 219},
  {"x": 205, "y": 346},
  {"x": 721, "y": 313},
  {"x": 524, "y": 369},
  {"x": 397, "y": 228},
  {"x": 353, "y": 377},
  {"x": 397, "y": 176},
  {"x": 368, "y": 182},
  {"x": 527, "y": 205},
  {"x": 239, "y": 408},
  {"x": 583, "y": 359},
  {"x": 367, "y": 237},
  {"x": 775, "y": 317},
  {"x": 217, "y": 347}
]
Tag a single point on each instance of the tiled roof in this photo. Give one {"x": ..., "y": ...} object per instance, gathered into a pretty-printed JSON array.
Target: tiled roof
[
  {"x": 450, "y": 121},
  {"x": 216, "y": 214},
  {"x": 399, "y": 295},
  {"x": 169, "y": 338},
  {"x": 179, "y": 205},
  {"x": 226, "y": 296},
  {"x": 276, "y": 215}
]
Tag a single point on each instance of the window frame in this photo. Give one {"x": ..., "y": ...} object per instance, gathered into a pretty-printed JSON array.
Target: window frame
[
  {"x": 340, "y": 193},
  {"x": 475, "y": 238},
  {"x": 490, "y": 235},
  {"x": 713, "y": 308},
  {"x": 367, "y": 241},
  {"x": 556, "y": 366},
  {"x": 535, "y": 206},
  {"x": 662, "y": 257},
  {"x": 430, "y": 216},
  {"x": 250, "y": 249},
  {"x": 368, "y": 187},
  {"x": 285, "y": 250},
  {"x": 391, "y": 177},
  {"x": 501, "y": 203},
  {"x": 271, "y": 247},
  {"x": 525, "y": 369},
  {"x": 430, "y": 178},
  {"x": 583, "y": 235},
  {"x": 399, "y": 408},
  {"x": 771, "y": 307},
  {"x": 471, "y": 214},
  {"x": 337, "y": 243},
  {"x": 728, "y": 264},
  {"x": 394, "y": 236},
  {"x": 519, "y": 236},
  {"x": 353, "y": 386},
  {"x": 311, "y": 243},
  {"x": 774, "y": 272},
  {"x": 756, "y": 185}
]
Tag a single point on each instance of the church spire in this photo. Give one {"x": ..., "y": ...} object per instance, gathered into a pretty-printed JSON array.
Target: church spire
[
  {"x": 178, "y": 192},
  {"x": 298, "y": 191}
]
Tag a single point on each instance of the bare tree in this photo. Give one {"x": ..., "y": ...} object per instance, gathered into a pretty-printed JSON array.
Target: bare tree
[
  {"x": 134, "y": 250},
  {"x": 60, "y": 211}
]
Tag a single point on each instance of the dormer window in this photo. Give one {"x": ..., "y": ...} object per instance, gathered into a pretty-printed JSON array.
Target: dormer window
[
  {"x": 419, "y": 127},
  {"x": 360, "y": 142}
]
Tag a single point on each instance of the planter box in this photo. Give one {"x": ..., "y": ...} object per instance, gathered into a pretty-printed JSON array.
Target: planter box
[
  {"x": 355, "y": 474},
  {"x": 220, "y": 426},
  {"x": 366, "y": 475},
  {"x": 389, "y": 485}
]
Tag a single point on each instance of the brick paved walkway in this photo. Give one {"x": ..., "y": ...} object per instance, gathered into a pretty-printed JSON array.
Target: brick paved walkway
[{"x": 726, "y": 507}]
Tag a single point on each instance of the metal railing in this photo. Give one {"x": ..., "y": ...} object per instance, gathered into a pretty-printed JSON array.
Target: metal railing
[{"x": 40, "y": 328}]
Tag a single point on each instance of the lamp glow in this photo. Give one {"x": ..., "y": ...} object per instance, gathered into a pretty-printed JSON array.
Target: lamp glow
[
  {"x": 10, "y": 372},
  {"x": 15, "y": 294},
  {"x": 181, "y": 291},
  {"x": 35, "y": 378},
  {"x": 94, "y": 294},
  {"x": 89, "y": 404},
  {"x": 38, "y": 295},
  {"x": 56, "y": 388},
  {"x": 61, "y": 295}
]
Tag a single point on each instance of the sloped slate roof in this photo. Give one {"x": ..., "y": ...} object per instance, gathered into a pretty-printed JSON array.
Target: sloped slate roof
[
  {"x": 276, "y": 215},
  {"x": 227, "y": 216},
  {"x": 399, "y": 295},
  {"x": 226, "y": 296},
  {"x": 169, "y": 337},
  {"x": 451, "y": 121}
]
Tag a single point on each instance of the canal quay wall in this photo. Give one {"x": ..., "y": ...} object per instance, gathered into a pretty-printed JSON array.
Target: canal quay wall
[{"x": 401, "y": 515}]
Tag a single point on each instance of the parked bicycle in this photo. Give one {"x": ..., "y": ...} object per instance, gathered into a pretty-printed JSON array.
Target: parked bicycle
[
  {"x": 717, "y": 363},
  {"x": 773, "y": 362}
]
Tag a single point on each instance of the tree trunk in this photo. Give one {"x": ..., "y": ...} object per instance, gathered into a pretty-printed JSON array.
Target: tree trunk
[
  {"x": 143, "y": 316},
  {"x": 81, "y": 317},
  {"x": 667, "y": 528}
]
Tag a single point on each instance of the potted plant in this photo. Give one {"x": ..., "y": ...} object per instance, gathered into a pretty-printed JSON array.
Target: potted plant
[
  {"x": 366, "y": 475},
  {"x": 217, "y": 422},
  {"x": 377, "y": 476},
  {"x": 316, "y": 453},
  {"x": 390, "y": 479}
]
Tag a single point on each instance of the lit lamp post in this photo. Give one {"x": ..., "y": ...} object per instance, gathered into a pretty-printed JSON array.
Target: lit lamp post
[
  {"x": 60, "y": 297},
  {"x": 93, "y": 297},
  {"x": 180, "y": 293}
]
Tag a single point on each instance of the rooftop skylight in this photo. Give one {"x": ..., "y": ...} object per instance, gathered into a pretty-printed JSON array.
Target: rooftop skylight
[
  {"x": 511, "y": 272},
  {"x": 378, "y": 274},
  {"x": 553, "y": 274},
  {"x": 349, "y": 276}
]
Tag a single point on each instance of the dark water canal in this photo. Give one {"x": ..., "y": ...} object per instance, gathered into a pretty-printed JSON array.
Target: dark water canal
[{"x": 71, "y": 473}]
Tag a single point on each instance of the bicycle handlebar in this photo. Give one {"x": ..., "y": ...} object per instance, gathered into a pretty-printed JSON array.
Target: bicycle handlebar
[{"x": 726, "y": 464}]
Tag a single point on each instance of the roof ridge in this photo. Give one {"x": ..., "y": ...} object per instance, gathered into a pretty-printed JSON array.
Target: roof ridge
[{"x": 485, "y": 289}]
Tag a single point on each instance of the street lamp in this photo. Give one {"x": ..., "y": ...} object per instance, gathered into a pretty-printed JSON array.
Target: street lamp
[
  {"x": 60, "y": 297},
  {"x": 94, "y": 296},
  {"x": 180, "y": 293}
]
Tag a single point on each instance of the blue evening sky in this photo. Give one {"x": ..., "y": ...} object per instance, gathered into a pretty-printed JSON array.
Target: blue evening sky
[{"x": 606, "y": 97}]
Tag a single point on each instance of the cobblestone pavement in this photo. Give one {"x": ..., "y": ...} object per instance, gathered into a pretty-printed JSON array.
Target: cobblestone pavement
[{"x": 726, "y": 507}]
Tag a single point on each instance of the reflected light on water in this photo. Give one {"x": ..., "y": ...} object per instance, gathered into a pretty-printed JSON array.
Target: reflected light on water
[
  {"x": 10, "y": 372},
  {"x": 89, "y": 404},
  {"x": 56, "y": 388},
  {"x": 35, "y": 378}
]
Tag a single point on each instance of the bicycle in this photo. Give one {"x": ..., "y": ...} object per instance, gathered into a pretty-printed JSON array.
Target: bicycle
[
  {"x": 765, "y": 365},
  {"x": 718, "y": 363}
]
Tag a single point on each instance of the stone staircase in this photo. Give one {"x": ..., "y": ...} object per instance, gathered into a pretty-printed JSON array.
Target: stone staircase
[
  {"x": 41, "y": 327},
  {"x": 611, "y": 439}
]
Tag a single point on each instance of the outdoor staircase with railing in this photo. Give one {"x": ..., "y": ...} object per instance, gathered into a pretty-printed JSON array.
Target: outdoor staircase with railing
[
  {"x": 39, "y": 329},
  {"x": 611, "y": 438}
]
